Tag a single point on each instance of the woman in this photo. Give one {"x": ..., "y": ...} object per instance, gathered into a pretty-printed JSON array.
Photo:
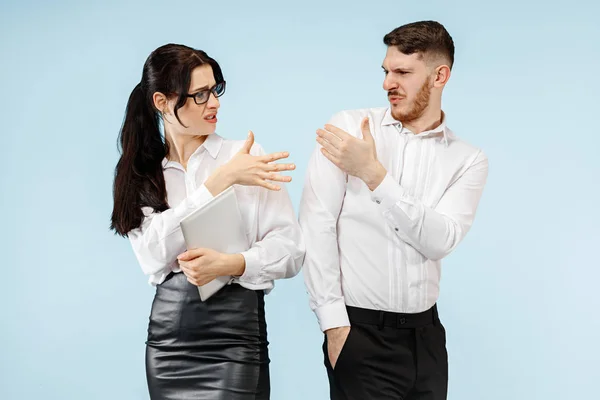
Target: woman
[{"x": 215, "y": 349}]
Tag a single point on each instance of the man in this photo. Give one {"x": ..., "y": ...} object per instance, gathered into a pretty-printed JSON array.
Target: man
[{"x": 389, "y": 192}]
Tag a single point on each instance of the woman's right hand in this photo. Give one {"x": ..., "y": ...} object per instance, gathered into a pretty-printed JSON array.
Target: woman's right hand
[{"x": 246, "y": 169}]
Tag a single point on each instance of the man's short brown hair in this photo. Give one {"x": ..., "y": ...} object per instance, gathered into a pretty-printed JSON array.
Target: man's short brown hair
[{"x": 428, "y": 38}]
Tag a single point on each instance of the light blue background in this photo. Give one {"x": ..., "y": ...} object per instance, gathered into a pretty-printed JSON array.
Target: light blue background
[{"x": 519, "y": 296}]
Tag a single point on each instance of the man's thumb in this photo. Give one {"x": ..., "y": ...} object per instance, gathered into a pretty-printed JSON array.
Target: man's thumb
[{"x": 366, "y": 130}]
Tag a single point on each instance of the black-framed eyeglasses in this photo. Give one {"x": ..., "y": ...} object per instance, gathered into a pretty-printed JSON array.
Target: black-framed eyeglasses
[{"x": 202, "y": 96}]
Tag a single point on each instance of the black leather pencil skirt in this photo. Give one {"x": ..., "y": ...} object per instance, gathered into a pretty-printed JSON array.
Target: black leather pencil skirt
[{"x": 213, "y": 350}]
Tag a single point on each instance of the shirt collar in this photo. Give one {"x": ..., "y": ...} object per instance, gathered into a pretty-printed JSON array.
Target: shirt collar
[
  {"x": 441, "y": 129},
  {"x": 212, "y": 144}
]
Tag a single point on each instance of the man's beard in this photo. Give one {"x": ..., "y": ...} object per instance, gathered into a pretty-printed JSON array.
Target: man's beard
[{"x": 418, "y": 106}]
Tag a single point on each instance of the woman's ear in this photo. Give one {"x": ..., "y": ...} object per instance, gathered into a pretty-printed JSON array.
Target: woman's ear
[{"x": 160, "y": 102}]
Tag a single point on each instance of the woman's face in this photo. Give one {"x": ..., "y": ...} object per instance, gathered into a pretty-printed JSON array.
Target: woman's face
[{"x": 196, "y": 119}]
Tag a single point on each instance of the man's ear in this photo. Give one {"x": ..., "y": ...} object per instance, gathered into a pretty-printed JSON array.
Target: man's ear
[{"x": 442, "y": 74}]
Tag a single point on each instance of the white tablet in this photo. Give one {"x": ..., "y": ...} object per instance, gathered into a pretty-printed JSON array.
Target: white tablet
[{"x": 216, "y": 225}]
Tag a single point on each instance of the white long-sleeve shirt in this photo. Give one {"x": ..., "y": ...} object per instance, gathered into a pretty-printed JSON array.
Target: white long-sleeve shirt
[
  {"x": 277, "y": 247},
  {"x": 381, "y": 249}
]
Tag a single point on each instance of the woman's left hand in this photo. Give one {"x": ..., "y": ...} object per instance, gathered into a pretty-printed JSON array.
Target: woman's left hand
[{"x": 201, "y": 266}]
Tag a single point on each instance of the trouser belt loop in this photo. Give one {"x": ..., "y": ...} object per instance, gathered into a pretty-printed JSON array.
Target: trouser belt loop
[{"x": 381, "y": 320}]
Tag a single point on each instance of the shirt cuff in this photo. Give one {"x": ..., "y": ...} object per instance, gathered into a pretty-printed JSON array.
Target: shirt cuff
[
  {"x": 387, "y": 193},
  {"x": 253, "y": 269},
  {"x": 200, "y": 197},
  {"x": 332, "y": 315}
]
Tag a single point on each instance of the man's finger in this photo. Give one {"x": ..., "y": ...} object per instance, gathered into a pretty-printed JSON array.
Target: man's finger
[
  {"x": 340, "y": 133},
  {"x": 328, "y": 146},
  {"x": 329, "y": 136},
  {"x": 331, "y": 158}
]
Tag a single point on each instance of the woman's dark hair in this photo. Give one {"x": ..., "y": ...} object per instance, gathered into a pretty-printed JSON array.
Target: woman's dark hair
[{"x": 139, "y": 180}]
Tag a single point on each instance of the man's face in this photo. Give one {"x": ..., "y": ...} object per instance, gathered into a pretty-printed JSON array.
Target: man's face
[{"x": 408, "y": 81}]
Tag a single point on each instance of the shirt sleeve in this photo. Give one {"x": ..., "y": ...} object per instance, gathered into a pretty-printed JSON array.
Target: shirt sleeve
[
  {"x": 279, "y": 249},
  {"x": 434, "y": 232},
  {"x": 159, "y": 240},
  {"x": 320, "y": 206}
]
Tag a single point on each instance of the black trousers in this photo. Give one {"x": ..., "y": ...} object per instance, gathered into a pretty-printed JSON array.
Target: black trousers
[
  {"x": 391, "y": 356},
  {"x": 212, "y": 350}
]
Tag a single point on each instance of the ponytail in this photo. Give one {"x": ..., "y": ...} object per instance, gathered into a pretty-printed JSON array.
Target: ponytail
[{"x": 139, "y": 180}]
